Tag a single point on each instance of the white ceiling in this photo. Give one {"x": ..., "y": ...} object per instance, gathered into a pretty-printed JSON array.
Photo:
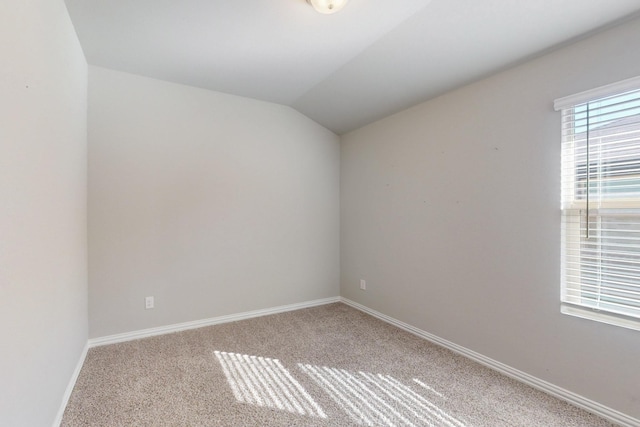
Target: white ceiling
[{"x": 372, "y": 59}]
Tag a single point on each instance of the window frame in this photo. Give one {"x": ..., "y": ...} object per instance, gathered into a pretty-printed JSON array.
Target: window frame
[{"x": 573, "y": 214}]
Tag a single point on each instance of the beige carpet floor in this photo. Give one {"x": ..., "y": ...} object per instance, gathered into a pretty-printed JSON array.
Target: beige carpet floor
[{"x": 324, "y": 366}]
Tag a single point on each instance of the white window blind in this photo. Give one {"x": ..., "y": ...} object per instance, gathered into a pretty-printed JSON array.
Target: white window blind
[{"x": 600, "y": 204}]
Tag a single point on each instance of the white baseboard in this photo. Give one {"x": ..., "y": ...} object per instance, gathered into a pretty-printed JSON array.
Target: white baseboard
[
  {"x": 144, "y": 333},
  {"x": 573, "y": 398},
  {"x": 70, "y": 386}
]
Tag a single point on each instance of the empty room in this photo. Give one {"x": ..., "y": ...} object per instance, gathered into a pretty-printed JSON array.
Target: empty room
[{"x": 320, "y": 213}]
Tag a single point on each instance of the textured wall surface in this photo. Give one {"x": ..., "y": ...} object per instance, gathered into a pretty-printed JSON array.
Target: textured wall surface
[
  {"x": 43, "y": 228},
  {"x": 450, "y": 211},
  {"x": 213, "y": 204}
]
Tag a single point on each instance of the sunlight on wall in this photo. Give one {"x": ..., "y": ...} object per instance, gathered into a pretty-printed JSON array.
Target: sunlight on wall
[
  {"x": 375, "y": 400},
  {"x": 265, "y": 382}
]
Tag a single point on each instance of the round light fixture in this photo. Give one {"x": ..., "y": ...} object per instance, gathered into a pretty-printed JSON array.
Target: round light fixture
[{"x": 327, "y": 6}]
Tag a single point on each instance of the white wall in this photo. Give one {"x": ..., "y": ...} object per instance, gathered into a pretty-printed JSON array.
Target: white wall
[
  {"x": 450, "y": 211},
  {"x": 213, "y": 204},
  {"x": 43, "y": 240}
]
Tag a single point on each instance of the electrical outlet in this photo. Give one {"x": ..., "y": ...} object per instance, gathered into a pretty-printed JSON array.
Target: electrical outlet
[
  {"x": 148, "y": 302},
  {"x": 363, "y": 285}
]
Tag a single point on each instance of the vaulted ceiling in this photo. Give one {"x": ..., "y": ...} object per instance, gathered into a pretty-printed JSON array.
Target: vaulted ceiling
[{"x": 372, "y": 59}]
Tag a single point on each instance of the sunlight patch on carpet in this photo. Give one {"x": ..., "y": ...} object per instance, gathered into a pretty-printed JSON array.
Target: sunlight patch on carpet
[
  {"x": 375, "y": 400},
  {"x": 265, "y": 382},
  {"x": 423, "y": 385}
]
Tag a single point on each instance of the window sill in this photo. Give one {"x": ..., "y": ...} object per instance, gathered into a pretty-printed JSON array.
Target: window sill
[{"x": 600, "y": 316}]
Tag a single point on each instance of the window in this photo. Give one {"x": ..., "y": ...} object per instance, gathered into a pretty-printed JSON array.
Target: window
[{"x": 600, "y": 204}]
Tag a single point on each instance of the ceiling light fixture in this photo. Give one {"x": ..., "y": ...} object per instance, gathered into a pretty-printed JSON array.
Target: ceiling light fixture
[{"x": 327, "y": 6}]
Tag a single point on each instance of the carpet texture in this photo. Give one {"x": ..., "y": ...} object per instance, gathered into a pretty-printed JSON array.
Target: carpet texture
[{"x": 324, "y": 366}]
